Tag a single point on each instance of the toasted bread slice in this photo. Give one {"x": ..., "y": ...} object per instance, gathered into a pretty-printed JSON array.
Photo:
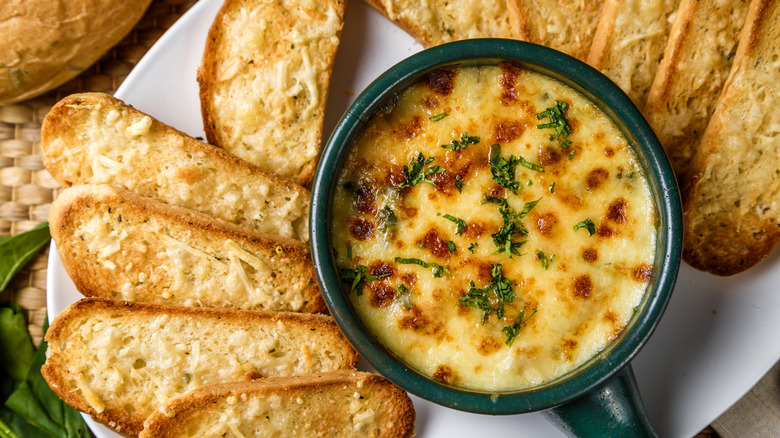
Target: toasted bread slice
[
  {"x": 120, "y": 361},
  {"x": 94, "y": 138},
  {"x": 564, "y": 25},
  {"x": 696, "y": 63},
  {"x": 264, "y": 81},
  {"x": 439, "y": 21},
  {"x": 332, "y": 404},
  {"x": 117, "y": 244},
  {"x": 730, "y": 208},
  {"x": 629, "y": 43}
]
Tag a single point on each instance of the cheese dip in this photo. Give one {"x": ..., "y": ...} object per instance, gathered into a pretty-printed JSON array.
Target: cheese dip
[{"x": 493, "y": 228}]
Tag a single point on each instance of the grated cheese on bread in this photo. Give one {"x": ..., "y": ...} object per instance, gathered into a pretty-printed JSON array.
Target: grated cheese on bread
[
  {"x": 731, "y": 191},
  {"x": 93, "y": 138},
  {"x": 564, "y": 25},
  {"x": 629, "y": 43},
  {"x": 438, "y": 21},
  {"x": 332, "y": 404},
  {"x": 116, "y": 244},
  {"x": 264, "y": 81},
  {"x": 121, "y": 361},
  {"x": 696, "y": 63}
]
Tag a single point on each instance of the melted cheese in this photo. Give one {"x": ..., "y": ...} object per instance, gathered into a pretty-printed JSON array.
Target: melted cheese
[{"x": 583, "y": 296}]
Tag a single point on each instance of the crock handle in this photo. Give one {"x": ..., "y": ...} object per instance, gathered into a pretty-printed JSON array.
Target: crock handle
[{"x": 613, "y": 409}]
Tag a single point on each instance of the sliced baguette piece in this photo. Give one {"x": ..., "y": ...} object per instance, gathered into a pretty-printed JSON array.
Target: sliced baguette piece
[
  {"x": 441, "y": 21},
  {"x": 332, "y": 404},
  {"x": 730, "y": 194},
  {"x": 94, "y": 138},
  {"x": 564, "y": 25},
  {"x": 264, "y": 81},
  {"x": 629, "y": 43},
  {"x": 121, "y": 361},
  {"x": 116, "y": 244},
  {"x": 696, "y": 63}
]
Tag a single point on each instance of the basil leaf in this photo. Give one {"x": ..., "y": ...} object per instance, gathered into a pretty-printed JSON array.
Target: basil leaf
[{"x": 17, "y": 250}]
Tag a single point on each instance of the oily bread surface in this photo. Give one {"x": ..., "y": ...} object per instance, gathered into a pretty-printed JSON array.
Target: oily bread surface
[
  {"x": 47, "y": 42},
  {"x": 120, "y": 361},
  {"x": 264, "y": 81},
  {"x": 333, "y": 404},
  {"x": 116, "y": 244},
  {"x": 97, "y": 139},
  {"x": 697, "y": 60},
  {"x": 731, "y": 213}
]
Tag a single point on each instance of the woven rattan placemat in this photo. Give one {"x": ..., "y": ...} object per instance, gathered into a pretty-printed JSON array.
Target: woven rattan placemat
[{"x": 27, "y": 189}]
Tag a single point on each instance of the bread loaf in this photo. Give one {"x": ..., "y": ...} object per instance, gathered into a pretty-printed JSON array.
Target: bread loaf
[
  {"x": 264, "y": 81},
  {"x": 564, "y": 25},
  {"x": 332, "y": 404},
  {"x": 116, "y": 244},
  {"x": 442, "y": 21},
  {"x": 121, "y": 361},
  {"x": 696, "y": 63},
  {"x": 629, "y": 43},
  {"x": 97, "y": 139},
  {"x": 731, "y": 191},
  {"x": 44, "y": 43}
]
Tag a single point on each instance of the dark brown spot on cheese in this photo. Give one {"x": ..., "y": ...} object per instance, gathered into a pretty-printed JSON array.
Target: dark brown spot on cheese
[
  {"x": 435, "y": 244},
  {"x": 508, "y": 79},
  {"x": 399, "y": 244},
  {"x": 496, "y": 191},
  {"x": 191, "y": 174},
  {"x": 548, "y": 156},
  {"x": 488, "y": 346},
  {"x": 364, "y": 198},
  {"x": 395, "y": 175},
  {"x": 599, "y": 136},
  {"x": 642, "y": 272},
  {"x": 361, "y": 229},
  {"x": 590, "y": 255},
  {"x": 407, "y": 212},
  {"x": 437, "y": 294},
  {"x": 431, "y": 101},
  {"x": 381, "y": 294},
  {"x": 380, "y": 268},
  {"x": 408, "y": 130},
  {"x": 604, "y": 230},
  {"x": 409, "y": 279},
  {"x": 506, "y": 131},
  {"x": 596, "y": 178},
  {"x": 583, "y": 286},
  {"x": 546, "y": 224},
  {"x": 616, "y": 212},
  {"x": 420, "y": 322},
  {"x": 567, "y": 348},
  {"x": 444, "y": 182},
  {"x": 484, "y": 272},
  {"x": 474, "y": 230},
  {"x": 444, "y": 374},
  {"x": 441, "y": 81},
  {"x": 609, "y": 152}
]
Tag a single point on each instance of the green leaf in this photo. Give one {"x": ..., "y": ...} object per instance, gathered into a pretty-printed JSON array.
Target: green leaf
[
  {"x": 16, "y": 251},
  {"x": 18, "y": 350},
  {"x": 465, "y": 140},
  {"x": 438, "y": 117},
  {"x": 587, "y": 224}
]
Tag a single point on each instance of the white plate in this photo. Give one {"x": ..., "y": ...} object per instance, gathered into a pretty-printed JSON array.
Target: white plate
[{"x": 716, "y": 340}]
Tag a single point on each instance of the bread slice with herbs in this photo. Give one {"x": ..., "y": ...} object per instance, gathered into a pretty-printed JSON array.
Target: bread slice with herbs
[
  {"x": 93, "y": 138},
  {"x": 333, "y": 404},
  {"x": 731, "y": 190},
  {"x": 264, "y": 81},
  {"x": 116, "y": 244},
  {"x": 629, "y": 43},
  {"x": 439, "y": 21},
  {"x": 696, "y": 63},
  {"x": 564, "y": 25},
  {"x": 121, "y": 361}
]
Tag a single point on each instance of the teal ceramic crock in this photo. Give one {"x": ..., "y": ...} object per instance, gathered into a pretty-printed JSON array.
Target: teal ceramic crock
[{"x": 598, "y": 399}]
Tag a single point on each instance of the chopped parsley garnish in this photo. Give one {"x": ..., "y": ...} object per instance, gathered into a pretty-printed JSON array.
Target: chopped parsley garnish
[
  {"x": 552, "y": 187},
  {"x": 387, "y": 218},
  {"x": 588, "y": 224},
  {"x": 542, "y": 257},
  {"x": 513, "y": 330},
  {"x": 479, "y": 298},
  {"x": 438, "y": 117},
  {"x": 438, "y": 270},
  {"x": 461, "y": 224},
  {"x": 512, "y": 226},
  {"x": 458, "y": 183},
  {"x": 571, "y": 154},
  {"x": 356, "y": 277},
  {"x": 465, "y": 140},
  {"x": 503, "y": 170},
  {"x": 416, "y": 173},
  {"x": 349, "y": 252},
  {"x": 473, "y": 246},
  {"x": 451, "y": 246},
  {"x": 557, "y": 121},
  {"x": 530, "y": 165},
  {"x": 402, "y": 288}
]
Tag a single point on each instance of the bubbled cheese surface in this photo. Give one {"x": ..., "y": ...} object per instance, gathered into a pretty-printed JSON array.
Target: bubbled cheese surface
[{"x": 573, "y": 291}]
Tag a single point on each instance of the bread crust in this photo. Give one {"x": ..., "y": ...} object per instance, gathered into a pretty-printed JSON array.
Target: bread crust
[
  {"x": 155, "y": 160},
  {"x": 258, "y": 139},
  {"x": 143, "y": 221},
  {"x": 395, "y": 419},
  {"x": 61, "y": 353},
  {"x": 46, "y": 42},
  {"x": 730, "y": 217}
]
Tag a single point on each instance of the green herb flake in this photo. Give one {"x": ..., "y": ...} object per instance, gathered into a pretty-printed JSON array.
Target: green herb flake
[
  {"x": 460, "y": 223},
  {"x": 356, "y": 277},
  {"x": 530, "y": 165},
  {"x": 451, "y": 246},
  {"x": 513, "y": 330},
  {"x": 552, "y": 187},
  {"x": 465, "y": 140},
  {"x": 438, "y": 117},
  {"x": 416, "y": 173},
  {"x": 473, "y": 246},
  {"x": 587, "y": 224},
  {"x": 479, "y": 298},
  {"x": 503, "y": 170},
  {"x": 459, "y": 183},
  {"x": 438, "y": 270},
  {"x": 557, "y": 120},
  {"x": 571, "y": 154},
  {"x": 349, "y": 252},
  {"x": 542, "y": 257}
]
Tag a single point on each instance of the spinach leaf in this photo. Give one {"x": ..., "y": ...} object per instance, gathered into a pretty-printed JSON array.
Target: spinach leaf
[
  {"x": 16, "y": 251},
  {"x": 17, "y": 352}
]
